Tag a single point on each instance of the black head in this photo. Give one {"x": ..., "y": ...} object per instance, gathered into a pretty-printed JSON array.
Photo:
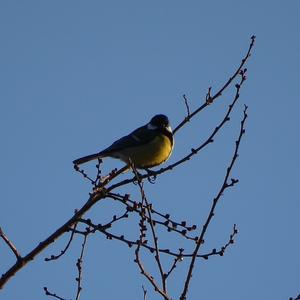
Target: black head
[{"x": 160, "y": 121}]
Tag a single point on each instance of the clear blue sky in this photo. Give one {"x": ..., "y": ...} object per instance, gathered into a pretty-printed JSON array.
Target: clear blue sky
[{"x": 76, "y": 75}]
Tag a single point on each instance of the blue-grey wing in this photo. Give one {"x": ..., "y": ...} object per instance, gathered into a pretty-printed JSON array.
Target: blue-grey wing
[{"x": 138, "y": 137}]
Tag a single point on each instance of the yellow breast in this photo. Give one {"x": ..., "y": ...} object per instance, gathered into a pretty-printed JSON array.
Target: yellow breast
[{"x": 149, "y": 155}]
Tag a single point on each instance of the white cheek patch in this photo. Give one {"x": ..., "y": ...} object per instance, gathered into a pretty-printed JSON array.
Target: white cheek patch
[
  {"x": 169, "y": 128},
  {"x": 151, "y": 127}
]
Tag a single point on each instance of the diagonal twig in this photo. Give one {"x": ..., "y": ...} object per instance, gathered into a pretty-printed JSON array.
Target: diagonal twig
[
  {"x": 48, "y": 293},
  {"x": 210, "y": 99},
  {"x": 62, "y": 252},
  {"x": 10, "y": 245}
]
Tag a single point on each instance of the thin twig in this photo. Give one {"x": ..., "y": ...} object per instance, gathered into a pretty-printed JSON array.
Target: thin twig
[
  {"x": 62, "y": 252},
  {"x": 110, "y": 236},
  {"x": 144, "y": 293},
  {"x": 108, "y": 225},
  {"x": 296, "y": 298},
  {"x": 154, "y": 236},
  {"x": 10, "y": 245},
  {"x": 221, "y": 90},
  {"x": 48, "y": 293},
  {"x": 222, "y": 250},
  {"x": 82, "y": 172},
  {"x": 94, "y": 198},
  {"x": 138, "y": 260},
  {"x": 98, "y": 175},
  {"x": 224, "y": 186},
  {"x": 173, "y": 266},
  {"x": 171, "y": 225},
  {"x": 79, "y": 267},
  {"x": 148, "y": 276},
  {"x": 187, "y": 107}
]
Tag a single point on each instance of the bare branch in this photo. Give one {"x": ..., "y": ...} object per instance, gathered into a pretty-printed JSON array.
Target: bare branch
[
  {"x": 154, "y": 236},
  {"x": 172, "y": 226},
  {"x": 187, "y": 107},
  {"x": 176, "y": 260},
  {"x": 223, "y": 248},
  {"x": 110, "y": 236},
  {"x": 10, "y": 244},
  {"x": 48, "y": 293},
  {"x": 139, "y": 263},
  {"x": 94, "y": 198},
  {"x": 209, "y": 100},
  {"x": 224, "y": 186},
  {"x": 144, "y": 293},
  {"x": 148, "y": 276},
  {"x": 62, "y": 252},
  {"x": 296, "y": 298},
  {"x": 79, "y": 266}
]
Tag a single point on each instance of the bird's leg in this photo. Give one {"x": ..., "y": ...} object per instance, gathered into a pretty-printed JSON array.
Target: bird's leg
[
  {"x": 152, "y": 175},
  {"x": 138, "y": 176}
]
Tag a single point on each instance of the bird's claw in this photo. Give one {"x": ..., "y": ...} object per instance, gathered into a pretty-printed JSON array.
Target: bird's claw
[
  {"x": 151, "y": 176},
  {"x": 137, "y": 178}
]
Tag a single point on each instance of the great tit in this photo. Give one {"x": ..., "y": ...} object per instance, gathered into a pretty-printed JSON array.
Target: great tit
[{"x": 146, "y": 147}]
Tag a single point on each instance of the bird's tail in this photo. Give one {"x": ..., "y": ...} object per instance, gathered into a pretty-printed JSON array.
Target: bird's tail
[{"x": 87, "y": 158}]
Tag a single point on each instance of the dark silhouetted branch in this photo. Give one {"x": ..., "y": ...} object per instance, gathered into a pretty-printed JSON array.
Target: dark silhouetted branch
[
  {"x": 10, "y": 244},
  {"x": 224, "y": 186}
]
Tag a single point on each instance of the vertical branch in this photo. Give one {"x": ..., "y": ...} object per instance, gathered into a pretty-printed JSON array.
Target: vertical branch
[
  {"x": 162, "y": 291},
  {"x": 138, "y": 260},
  {"x": 225, "y": 185},
  {"x": 154, "y": 236},
  {"x": 155, "y": 240},
  {"x": 144, "y": 293},
  {"x": 79, "y": 265},
  {"x": 186, "y": 103}
]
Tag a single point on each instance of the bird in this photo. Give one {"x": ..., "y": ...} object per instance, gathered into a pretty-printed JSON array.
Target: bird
[{"x": 145, "y": 147}]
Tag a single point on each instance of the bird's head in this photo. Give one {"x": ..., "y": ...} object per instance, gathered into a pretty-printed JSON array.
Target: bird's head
[{"x": 159, "y": 122}]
